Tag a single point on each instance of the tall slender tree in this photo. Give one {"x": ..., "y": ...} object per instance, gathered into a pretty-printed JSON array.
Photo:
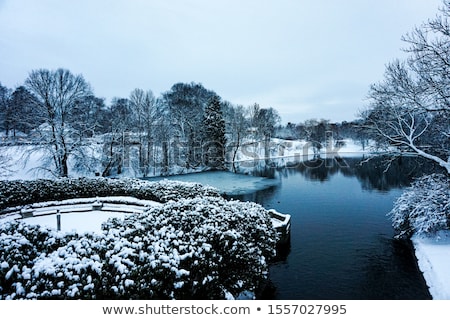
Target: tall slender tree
[
  {"x": 143, "y": 113},
  {"x": 238, "y": 126},
  {"x": 4, "y": 107},
  {"x": 214, "y": 135},
  {"x": 266, "y": 120},
  {"x": 5, "y": 103}
]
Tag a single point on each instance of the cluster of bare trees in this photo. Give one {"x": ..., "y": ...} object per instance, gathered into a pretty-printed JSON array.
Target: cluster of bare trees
[
  {"x": 187, "y": 127},
  {"x": 322, "y": 134},
  {"x": 251, "y": 128},
  {"x": 410, "y": 108}
]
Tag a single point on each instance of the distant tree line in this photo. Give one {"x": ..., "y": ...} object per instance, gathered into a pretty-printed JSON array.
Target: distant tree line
[
  {"x": 321, "y": 132},
  {"x": 187, "y": 127}
]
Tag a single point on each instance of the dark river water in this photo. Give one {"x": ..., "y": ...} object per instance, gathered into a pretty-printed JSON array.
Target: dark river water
[{"x": 342, "y": 242}]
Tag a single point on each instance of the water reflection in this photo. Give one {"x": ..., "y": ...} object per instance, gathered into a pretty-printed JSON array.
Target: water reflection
[
  {"x": 380, "y": 173},
  {"x": 342, "y": 244}
]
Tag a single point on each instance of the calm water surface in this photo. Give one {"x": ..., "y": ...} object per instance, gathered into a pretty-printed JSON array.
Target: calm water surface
[{"x": 342, "y": 243}]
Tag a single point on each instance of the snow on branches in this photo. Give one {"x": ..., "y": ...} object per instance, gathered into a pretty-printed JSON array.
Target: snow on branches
[
  {"x": 19, "y": 193},
  {"x": 424, "y": 207},
  {"x": 202, "y": 247}
]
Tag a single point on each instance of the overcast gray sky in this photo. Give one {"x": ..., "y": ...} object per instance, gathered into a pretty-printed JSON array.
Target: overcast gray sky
[{"x": 305, "y": 58}]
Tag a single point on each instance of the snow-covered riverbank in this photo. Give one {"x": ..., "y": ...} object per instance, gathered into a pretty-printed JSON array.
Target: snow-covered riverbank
[{"x": 433, "y": 256}]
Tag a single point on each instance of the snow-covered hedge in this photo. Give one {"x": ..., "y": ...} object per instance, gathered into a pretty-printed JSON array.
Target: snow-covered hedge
[
  {"x": 200, "y": 248},
  {"x": 18, "y": 193},
  {"x": 424, "y": 207}
]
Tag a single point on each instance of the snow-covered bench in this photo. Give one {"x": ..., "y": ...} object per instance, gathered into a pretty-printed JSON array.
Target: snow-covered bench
[
  {"x": 109, "y": 204},
  {"x": 282, "y": 224}
]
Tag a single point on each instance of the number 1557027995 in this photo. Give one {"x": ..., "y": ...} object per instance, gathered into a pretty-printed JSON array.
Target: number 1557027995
[{"x": 307, "y": 309}]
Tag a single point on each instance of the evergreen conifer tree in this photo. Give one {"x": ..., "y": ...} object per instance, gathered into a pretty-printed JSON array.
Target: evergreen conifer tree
[{"x": 214, "y": 135}]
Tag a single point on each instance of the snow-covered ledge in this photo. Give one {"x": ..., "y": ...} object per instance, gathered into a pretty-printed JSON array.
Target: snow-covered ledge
[{"x": 433, "y": 256}]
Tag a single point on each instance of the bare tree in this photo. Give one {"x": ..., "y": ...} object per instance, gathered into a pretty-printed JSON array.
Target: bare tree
[
  {"x": 165, "y": 136},
  {"x": 237, "y": 123},
  {"x": 57, "y": 93},
  {"x": 265, "y": 121},
  {"x": 5, "y": 102},
  {"x": 117, "y": 141},
  {"x": 410, "y": 108},
  {"x": 143, "y": 112}
]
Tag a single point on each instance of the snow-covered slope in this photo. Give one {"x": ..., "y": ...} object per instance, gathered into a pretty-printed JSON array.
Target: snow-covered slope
[{"x": 433, "y": 255}]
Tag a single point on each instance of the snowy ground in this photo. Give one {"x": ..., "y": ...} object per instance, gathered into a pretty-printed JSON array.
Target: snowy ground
[
  {"x": 78, "y": 214},
  {"x": 21, "y": 168},
  {"x": 433, "y": 255},
  {"x": 80, "y": 222}
]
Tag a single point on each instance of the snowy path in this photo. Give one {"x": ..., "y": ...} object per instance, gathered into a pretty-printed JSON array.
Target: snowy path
[{"x": 433, "y": 255}]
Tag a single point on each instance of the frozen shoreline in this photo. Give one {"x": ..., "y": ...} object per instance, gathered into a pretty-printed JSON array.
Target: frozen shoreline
[{"x": 433, "y": 257}]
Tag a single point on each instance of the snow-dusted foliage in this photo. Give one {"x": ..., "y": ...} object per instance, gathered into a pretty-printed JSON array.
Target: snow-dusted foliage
[
  {"x": 424, "y": 207},
  {"x": 18, "y": 193},
  {"x": 200, "y": 248}
]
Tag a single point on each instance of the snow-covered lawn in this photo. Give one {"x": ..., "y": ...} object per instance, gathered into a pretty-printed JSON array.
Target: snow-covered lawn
[
  {"x": 78, "y": 215},
  {"x": 433, "y": 255},
  {"x": 19, "y": 166},
  {"x": 80, "y": 222}
]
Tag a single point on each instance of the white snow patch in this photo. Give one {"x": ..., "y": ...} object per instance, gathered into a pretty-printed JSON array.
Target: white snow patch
[
  {"x": 433, "y": 256},
  {"x": 128, "y": 282},
  {"x": 228, "y": 295},
  {"x": 79, "y": 222},
  {"x": 87, "y": 220}
]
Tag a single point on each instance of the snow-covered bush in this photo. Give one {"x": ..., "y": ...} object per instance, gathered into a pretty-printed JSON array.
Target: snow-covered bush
[
  {"x": 200, "y": 248},
  {"x": 19, "y": 193},
  {"x": 424, "y": 207}
]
